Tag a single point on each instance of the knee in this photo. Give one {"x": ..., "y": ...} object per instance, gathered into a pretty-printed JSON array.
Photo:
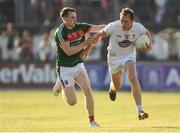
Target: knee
[{"x": 72, "y": 102}]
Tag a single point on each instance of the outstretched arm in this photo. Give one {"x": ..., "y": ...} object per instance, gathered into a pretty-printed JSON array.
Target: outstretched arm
[
  {"x": 96, "y": 28},
  {"x": 97, "y": 37},
  {"x": 85, "y": 53}
]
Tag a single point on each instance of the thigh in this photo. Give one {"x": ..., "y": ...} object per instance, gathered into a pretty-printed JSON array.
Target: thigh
[
  {"x": 130, "y": 69},
  {"x": 114, "y": 64},
  {"x": 66, "y": 76},
  {"x": 82, "y": 80},
  {"x": 115, "y": 70}
]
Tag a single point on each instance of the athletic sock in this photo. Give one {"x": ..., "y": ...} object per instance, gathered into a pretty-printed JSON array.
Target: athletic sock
[
  {"x": 139, "y": 108},
  {"x": 112, "y": 87},
  {"x": 91, "y": 118}
]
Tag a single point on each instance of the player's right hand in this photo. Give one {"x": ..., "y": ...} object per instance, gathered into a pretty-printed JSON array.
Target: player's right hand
[{"x": 92, "y": 41}]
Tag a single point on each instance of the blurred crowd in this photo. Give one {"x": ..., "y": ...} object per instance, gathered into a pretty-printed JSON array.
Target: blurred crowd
[
  {"x": 42, "y": 47},
  {"x": 26, "y": 46},
  {"x": 28, "y": 34},
  {"x": 95, "y": 11}
]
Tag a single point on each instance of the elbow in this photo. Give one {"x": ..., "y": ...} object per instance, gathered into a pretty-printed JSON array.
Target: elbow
[{"x": 68, "y": 53}]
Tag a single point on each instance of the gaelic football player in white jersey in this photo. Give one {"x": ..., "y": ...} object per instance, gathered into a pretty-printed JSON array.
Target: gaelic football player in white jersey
[{"x": 122, "y": 54}]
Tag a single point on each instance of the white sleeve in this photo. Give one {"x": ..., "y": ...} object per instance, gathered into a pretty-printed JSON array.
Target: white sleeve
[
  {"x": 141, "y": 28},
  {"x": 109, "y": 29}
]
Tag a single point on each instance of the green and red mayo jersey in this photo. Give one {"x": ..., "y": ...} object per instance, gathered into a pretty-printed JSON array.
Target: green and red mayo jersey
[{"x": 75, "y": 36}]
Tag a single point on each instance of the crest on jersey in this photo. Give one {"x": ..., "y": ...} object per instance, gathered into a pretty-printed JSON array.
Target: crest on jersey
[{"x": 125, "y": 43}]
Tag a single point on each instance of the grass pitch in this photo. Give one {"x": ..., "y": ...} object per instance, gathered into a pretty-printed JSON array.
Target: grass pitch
[{"x": 40, "y": 111}]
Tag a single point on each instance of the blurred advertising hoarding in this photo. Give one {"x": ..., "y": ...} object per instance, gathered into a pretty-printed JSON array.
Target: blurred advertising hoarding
[
  {"x": 152, "y": 76},
  {"x": 158, "y": 76},
  {"x": 27, "y": 75}
]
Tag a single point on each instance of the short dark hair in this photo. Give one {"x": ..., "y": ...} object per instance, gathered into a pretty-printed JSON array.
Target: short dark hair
[
  {"x": 65, "y": 11},
  {"x": 127, "y": 11}
]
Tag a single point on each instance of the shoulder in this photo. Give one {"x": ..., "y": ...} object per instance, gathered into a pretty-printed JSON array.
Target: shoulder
[
  {"x": 115, "y": 23},
  {"x": 83, "y": 24},
  {"x": 59, "y": 29},
  {"x": 137, "y": 25},
  {"x": 60, "y": 33}
]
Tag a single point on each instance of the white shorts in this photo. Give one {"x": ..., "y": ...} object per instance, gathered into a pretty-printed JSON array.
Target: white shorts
[
  {"x": 116, "y": 64},
  {"x": 66, "y": 75}
]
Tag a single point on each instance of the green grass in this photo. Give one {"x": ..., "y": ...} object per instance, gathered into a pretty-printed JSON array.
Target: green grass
[{"x": 41, "y": 111}]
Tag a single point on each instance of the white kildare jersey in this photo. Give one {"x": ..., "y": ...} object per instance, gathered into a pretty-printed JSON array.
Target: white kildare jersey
[{"x": 121, "y": 42}]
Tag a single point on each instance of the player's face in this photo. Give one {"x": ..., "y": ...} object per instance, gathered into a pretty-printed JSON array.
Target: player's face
[
  {"x": 126, "y": 22},
  {"x": 71, "y": 19}
]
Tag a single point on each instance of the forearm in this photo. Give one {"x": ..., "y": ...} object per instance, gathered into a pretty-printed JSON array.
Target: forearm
[
  {"x": 149, "y": 35},
  {"x": 100, "y": 35},
  {"x": 70, "y": 50},
  {"x": 75, "y": 49},
  {"x": 151, "y": 43},
  {"x": 96, "y": 28},
  {"x": 148, "y": 46}
]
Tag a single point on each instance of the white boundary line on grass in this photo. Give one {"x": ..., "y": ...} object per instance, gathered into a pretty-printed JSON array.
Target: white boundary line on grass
[{"x": 87, "y": 132}]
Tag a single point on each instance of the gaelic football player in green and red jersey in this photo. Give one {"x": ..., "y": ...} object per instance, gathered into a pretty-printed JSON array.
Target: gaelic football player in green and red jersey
[{"x": 71, "y": 49}]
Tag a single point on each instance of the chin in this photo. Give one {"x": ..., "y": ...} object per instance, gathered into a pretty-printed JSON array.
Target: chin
[{"x": 124, "y": 28}]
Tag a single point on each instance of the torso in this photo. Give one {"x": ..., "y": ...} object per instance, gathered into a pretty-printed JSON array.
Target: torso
[
  {"x": 121, "y": 42},
  {"x": 75, "y": 36}
]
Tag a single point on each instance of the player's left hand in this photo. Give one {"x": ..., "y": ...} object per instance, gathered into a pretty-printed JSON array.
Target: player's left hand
[
  {"x": 85, "y": 53},
  {"x": 146, "y": 49}
]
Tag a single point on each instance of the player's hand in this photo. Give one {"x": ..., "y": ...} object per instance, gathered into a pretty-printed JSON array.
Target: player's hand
[
  {"x": 92, "y": 41},
  {"x": 85, "y": 53},
  {"x": 146, "y": 49}
]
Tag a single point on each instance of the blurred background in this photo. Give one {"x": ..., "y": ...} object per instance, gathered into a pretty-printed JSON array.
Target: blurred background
[{"x": 28, "y": 50}]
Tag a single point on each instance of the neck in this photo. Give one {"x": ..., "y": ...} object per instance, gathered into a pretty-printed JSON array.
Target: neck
[
  {"x": 127, "y": 29},
  {"x": 67, "y": 26}
]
